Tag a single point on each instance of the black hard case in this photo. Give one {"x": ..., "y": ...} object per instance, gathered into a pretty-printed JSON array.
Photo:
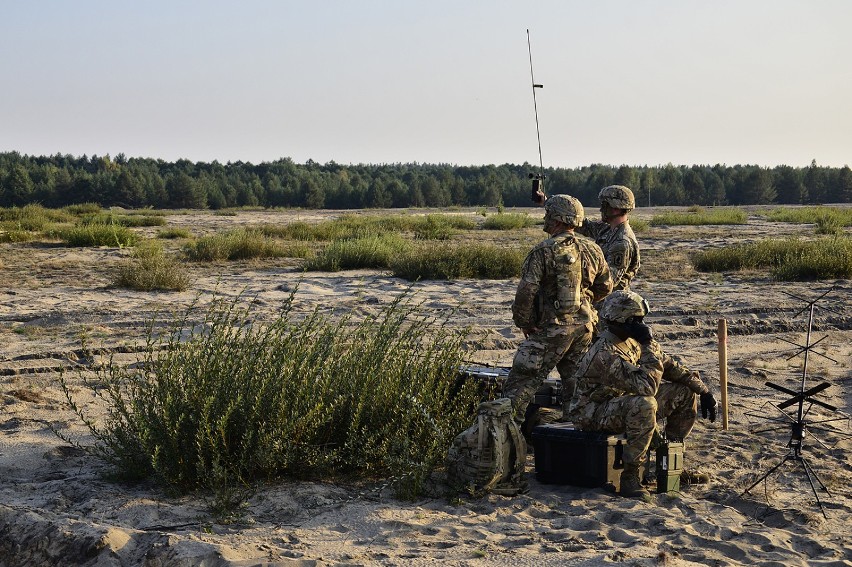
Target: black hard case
[{"x": 565, "y": 455}]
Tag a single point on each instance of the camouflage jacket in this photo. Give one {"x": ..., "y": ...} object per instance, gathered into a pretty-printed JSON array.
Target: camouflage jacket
[
  {"x": 533, "y": 305},
  {"x": 619, "y": 246},
  {"x": 613, "y": 368}
]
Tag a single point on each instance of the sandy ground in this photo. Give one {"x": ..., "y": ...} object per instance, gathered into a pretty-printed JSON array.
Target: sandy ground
[{"x": 57, "y": 508}]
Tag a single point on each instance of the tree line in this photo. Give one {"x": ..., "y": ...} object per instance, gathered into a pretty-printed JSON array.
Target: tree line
[{"x": 59, "y": 180}]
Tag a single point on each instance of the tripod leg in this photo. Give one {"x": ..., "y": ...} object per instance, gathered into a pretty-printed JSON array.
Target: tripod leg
[
  {"x": 811, "y": 472},
  {"x": 808, "y": 472},
  {"x": 769, "y": 472}
]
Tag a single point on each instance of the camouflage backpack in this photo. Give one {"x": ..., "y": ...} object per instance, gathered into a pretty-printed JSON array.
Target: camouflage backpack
[{"x": 490, "y": 455}]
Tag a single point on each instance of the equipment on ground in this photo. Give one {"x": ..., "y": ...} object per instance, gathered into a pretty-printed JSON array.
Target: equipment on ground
[
  {"x": 490, "y": 455},
  {"x": 803, "y": 400}
]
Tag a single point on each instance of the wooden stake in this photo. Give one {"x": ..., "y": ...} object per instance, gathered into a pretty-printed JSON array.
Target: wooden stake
[{"x": 723, "y": 370}]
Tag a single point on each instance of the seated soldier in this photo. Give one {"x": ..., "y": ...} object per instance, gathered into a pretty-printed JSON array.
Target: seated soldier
[{"x": 625, "y": 383}]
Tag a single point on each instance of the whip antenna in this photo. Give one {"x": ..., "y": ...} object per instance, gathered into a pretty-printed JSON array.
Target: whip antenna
[{"x": 538, "y": 178}]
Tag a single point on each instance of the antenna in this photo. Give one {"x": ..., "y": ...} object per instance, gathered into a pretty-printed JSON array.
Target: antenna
[
  {"x": 800, "y": 422},
  {"x": 537, "y": 178}
]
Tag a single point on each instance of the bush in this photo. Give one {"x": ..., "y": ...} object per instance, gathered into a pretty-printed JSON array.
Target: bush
[
  {"x": 82, "y": 209},
  {"x": 9, "y": 232},
  {"x": 829, "y": 225},
  {"x": 150, "y": 269},
  {"x": 508, "y": 221},
  {"x": 700, "y": 217},
  {"x": 352, "y": 226},
  {"x": 123, "y": 220},
  {"x": 452, "y": 261},
  {"x": 787, "y": 259},
  {"x": 368, "y": 252},
  {"x": 638, "y": 225},
  {"x": 840, "y": 216},
  {"x": 237, "y": 244},
  {"x": 32, "y": 218},
  {"x": 98, "y": 235},
  {"x": 174, "y": 232},
  {"x": 435, "y": 227},
  {"x": 222, "y": 400}
]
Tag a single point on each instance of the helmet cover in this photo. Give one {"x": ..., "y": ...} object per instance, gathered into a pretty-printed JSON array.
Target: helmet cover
[
  {"x": 565, "y": 208},
  {"x": 618, "y": 197},
  {"x": 621, "y": 305}
]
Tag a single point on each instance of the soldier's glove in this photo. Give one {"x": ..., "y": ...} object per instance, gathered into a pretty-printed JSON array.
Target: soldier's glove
[
  {"x": 708, "y": 406},
  {"x": 639, "y": 331}
]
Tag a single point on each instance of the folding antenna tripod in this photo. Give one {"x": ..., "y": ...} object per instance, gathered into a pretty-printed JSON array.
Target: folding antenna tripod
[{"x": 800, "y": 423}]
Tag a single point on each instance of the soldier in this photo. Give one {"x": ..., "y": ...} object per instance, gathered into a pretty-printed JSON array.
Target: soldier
[
  {"x": 561, "y": 278},
  {"x": 625, "y": 383},
  {"x": 613, "y": 233}
]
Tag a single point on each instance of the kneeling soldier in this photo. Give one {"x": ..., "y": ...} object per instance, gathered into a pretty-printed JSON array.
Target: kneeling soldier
[{"x": 625, "y": 382}]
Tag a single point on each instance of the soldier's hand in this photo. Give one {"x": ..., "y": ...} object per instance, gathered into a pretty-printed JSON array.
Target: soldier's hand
[
  {"x": 708, "y": 406},
  {"x": 539, "y": 197},
  {"x": 640, "y": 332}
]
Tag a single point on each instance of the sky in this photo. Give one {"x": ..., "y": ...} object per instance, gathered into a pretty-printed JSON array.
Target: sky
[{"x": 625, "y": 82}]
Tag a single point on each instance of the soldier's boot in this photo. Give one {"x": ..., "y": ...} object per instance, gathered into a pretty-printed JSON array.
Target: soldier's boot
[{"x": 630, "y": 486}]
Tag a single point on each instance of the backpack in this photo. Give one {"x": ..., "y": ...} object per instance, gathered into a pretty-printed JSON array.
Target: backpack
[
  {"x": 569, "y": 276},
  {"x": 490, "y": 455}
]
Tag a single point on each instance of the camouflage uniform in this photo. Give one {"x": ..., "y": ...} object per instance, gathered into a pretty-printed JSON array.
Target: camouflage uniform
[
  {"x": 623, "y": 387},
  {"x": 620, "y": 247},
  {"x": 554, "y": 340}
]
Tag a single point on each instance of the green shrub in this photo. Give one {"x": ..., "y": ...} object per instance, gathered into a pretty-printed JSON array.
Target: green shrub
[
  {"x": 508, "y": 221},
  {"x": 639, "y": 225},
  {"x": 828, "y": 225},
  {"x": 173, "y": 232},
  {"x": 9, "y": 232},
  {"x": 839, "y": 216},
  {"x": 32, "y": 218},
  {"x": 98, "y": 235},
  {"x": 123, "y": 220},
  {"x": 444, "y": 261},
  {"x": 237, "y": 244},
  {"x": 352, "y": 226},
  {"x": 221, "y": 399},
  {"x": 82, "y": 209},
  {"x": 327, "y": 231},
  {"x": 150, "y": 269},
  {"x": 435, "y": 227},
  {"x": 701, "y": 217},
  {"x": 368, "y": 252},
  {"x": 787, "y": 259},
  {"x": 454, "y": 221}
]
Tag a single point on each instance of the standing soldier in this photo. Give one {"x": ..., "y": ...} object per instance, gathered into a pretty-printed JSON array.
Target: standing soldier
[
  {"x": 625, "y": 383},
  {"x": 561, "y": 278},
  {"x": 613, "y": 233}
]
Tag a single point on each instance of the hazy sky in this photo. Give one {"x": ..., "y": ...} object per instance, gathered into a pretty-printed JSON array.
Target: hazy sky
[{"x": 440, "y": 81}]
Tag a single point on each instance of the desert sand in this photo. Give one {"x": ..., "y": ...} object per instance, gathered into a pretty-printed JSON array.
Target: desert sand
[{"x": 58, "y": 508}]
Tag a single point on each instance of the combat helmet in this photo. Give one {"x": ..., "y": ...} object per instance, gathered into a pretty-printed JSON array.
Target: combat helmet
[
  {"x": 621, "y": 305},
  {"x": 565, "y": 208},
  {"x": 618, "y": 197}
]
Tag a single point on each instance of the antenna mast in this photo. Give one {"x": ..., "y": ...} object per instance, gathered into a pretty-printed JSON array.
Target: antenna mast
[{"x": 538, "y": 178}]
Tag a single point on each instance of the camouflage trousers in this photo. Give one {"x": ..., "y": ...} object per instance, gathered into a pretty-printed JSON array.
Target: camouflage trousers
[
  {"x": 559, "y": 346},
  {"x": 636, "y": 417}
]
